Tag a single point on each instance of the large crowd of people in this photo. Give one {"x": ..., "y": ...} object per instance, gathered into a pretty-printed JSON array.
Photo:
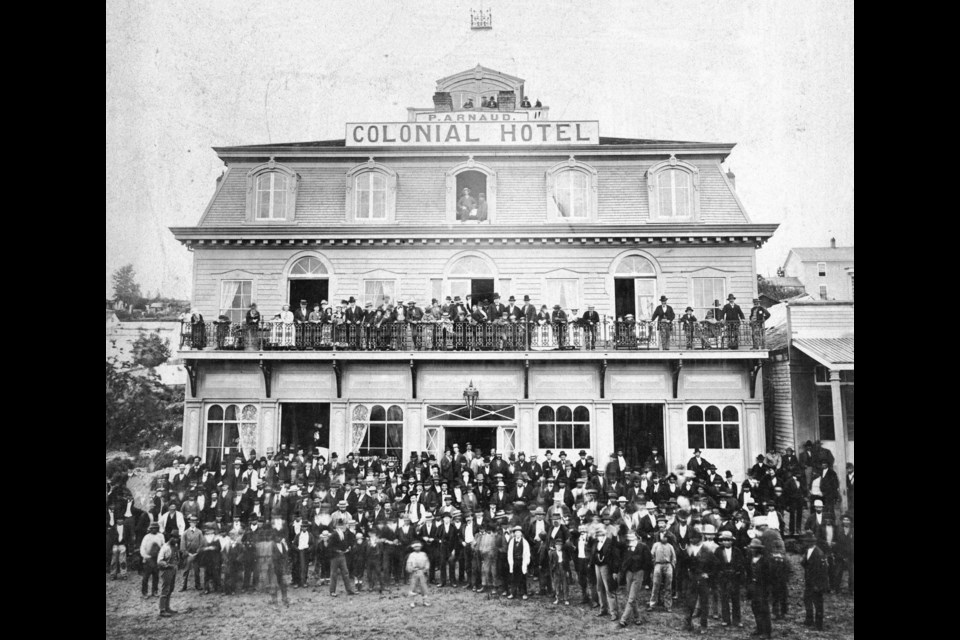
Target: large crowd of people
[
  {"x": 627, "y": 540},
  {"x": 476, "y": 324}
]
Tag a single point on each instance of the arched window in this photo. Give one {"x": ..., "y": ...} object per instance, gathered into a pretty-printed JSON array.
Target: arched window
[
  {"x": 308, "y": 266},
  {"x": 381, "y": 434},
  {"x": 469, "y": 207},
  {"x": 673, "y": 188},
  {"x": 371, "y": 193},
  {"x": 713, "y": 427},
  {"x": 564, "y": 427},
  {"x": 371, "y": 196},
  {"x": 225, "y": 426},
  {"x": 470, "y": 266},
  {"x": 571, "y": 192},
  {"x": 271, "y": 196},
  {"x": 271, "y": 193}
]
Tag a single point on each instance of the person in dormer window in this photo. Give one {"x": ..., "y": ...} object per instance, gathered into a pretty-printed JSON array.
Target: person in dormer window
[
  {"x": 483, "y": 102},
  {"x": 492, "y": 103},
  {"x": 482, "y": 207},
  {"x": 525, "y": 103},
  {"x": 468, "y": 104},
  {"x": 538, "y": 105},
  {"x": 466, "y": 206}
]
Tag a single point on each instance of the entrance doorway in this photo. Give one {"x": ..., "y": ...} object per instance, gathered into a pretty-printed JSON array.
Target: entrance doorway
[
  {"x": 481, "y": 439},
  {"x": 313, "y": 290},
  {"x": 637, "y": 428},
  {"x": 299, "y": 420},
  {"x": 636, "y": 296},
  {"x": 623, "y": 291},
  {"x": 481, "y": 289}
]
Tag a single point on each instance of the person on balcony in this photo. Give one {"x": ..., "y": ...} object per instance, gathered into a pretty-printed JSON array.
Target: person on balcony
[
  {"x": 468, "y": 104},
  {"x": 466, "y": 206},
  {"x": 732, "y": 316},
  {"x": 542, "y": 331},
  {"x": 758, "y": 316},
  {"x": 664, "y": 316},
  {"x": 492, "y": 103},
  {"x": 537, "y": 105},
  {"x": 525, "y": 103},
  {"x": 712, "y": 329},
  {"x": 251, "y": 327},
  {"x": 198, "y": 330},
  {"x": 481, "y": 207},
  {"x": 688, "y": 323},
  {"x": 590, "y": 321},
  {"x": 559, "y": 320}
]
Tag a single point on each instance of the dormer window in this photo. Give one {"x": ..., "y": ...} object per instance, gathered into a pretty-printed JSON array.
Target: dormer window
[
  {"x": 673, "y": 188},
  {"x": 271, "y": 196},
  {"x": 271, "y": 193},
  {"x": 371, "y": 193},
  {"x": 571, "y": 192}
]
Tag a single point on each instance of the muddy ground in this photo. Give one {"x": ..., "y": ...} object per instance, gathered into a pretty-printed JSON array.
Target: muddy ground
[{"x": 451, "y": 613}]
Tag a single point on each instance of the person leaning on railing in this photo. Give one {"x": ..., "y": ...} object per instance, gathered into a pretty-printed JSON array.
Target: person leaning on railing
[
  {"x": 758, "y": 316},
  {"x": 688, "y": 323}
]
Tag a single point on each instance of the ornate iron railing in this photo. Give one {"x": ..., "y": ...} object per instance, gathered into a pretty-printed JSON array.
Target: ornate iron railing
[{"x": 577, "y": 335}]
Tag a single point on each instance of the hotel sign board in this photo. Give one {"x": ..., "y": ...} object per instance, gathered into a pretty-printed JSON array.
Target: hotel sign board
[
  {"x": 473, "y": 116},
  {"x": 480, "y": 134}
]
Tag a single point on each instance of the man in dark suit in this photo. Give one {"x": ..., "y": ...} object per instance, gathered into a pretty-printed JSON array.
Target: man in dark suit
[
  {"x": 732, "y": 316},
  {"x": 688, "y": 322},
  {"x": 353, "y": 319},
  {"x": 698, "y": 465},
  {"x": 513, "y": 310},
  {"x": 757, "y": 572},
  {"x": 590, "y": 321},
  {"x": 528, "y": 317},
  {"x": 664, "y": 316},
  {"x": 732, "y": 568},
  {"x": 700, "y": 565},
  {"x": 816, "y": 580},
  {"x": 758, "y": 315}
]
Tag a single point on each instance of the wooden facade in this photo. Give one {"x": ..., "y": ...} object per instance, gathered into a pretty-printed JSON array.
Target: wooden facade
[{"x": 622, "y": 399}]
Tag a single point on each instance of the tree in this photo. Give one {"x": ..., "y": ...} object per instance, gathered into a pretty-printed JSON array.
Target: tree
[
  {"x": 776, "y": 291},
  {"x": 150, "y": 350},
  {"x": 140, "y": 411},
  {"x": 125, "y": 287}
]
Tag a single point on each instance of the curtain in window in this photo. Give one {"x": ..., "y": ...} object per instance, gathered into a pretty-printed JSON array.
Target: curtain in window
[
  {"x": 562, "y": 291},
  {"x": 359, "y": 426}
]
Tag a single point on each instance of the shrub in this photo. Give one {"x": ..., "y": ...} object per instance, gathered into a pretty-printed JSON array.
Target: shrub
[{"x": 118, "y": 465}]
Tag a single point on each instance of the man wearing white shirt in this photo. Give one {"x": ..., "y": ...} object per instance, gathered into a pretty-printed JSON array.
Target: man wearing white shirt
[{"x": 149, "y": 551}]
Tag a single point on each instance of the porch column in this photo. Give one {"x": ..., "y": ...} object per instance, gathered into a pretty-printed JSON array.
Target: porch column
[
  {"x": 339, "y": 427},
  {"x": 840, "y": 433},
  {"x": 192, "y": 444}
]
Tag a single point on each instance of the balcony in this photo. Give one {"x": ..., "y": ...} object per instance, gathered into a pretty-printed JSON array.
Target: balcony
[{"x": 576, "y": 339}]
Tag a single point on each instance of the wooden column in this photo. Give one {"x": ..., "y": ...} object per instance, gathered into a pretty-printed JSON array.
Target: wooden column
[{"x": 840, "y": 433}]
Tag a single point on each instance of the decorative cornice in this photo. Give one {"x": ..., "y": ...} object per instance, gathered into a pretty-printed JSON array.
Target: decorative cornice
[{"x": 572, "y": 235}]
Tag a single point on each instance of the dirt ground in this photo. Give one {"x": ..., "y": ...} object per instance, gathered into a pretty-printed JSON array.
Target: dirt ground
[{"x": 452, "y": 613}]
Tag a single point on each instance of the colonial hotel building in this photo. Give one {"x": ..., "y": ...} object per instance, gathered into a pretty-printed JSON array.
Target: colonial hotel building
[{"x": 572, "y": 218}]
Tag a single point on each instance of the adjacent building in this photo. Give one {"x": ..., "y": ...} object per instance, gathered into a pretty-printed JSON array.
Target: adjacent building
[
  {"x": 809, "y": 381},
  {"x": 824, "y": 272},
  {"x": 568, "y": 217}
]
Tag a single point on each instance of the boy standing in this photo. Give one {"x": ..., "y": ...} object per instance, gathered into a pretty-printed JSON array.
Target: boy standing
[
  {"x": 417, "y": 566},
  {"x": 559, "y": 566}
]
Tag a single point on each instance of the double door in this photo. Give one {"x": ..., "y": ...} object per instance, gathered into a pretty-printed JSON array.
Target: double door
[{"x": 481, "y": 437}]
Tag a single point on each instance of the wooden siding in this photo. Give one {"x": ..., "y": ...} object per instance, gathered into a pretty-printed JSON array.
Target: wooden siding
[
  {"x": 778, "y": 401},
  {"x": 525, "y": 265},
  {"x": 821, "y": 320},
  {"x": 521, "y": 193}
]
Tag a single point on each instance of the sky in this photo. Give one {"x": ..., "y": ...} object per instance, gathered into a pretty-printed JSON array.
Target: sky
[{"x": 774, "y": 77}]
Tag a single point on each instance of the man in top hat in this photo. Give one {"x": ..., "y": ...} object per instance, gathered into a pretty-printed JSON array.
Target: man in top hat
[
  {"x": 732, "y": 316},
  {"x": 590, "y": 321},
  {"x": 816, "y": 580},
  {"x": 513, "y": 311},
  {"x": 758, "y": 316},
  {"x": 528, "y": 317},
  {"x": 664, "y": 317}
]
